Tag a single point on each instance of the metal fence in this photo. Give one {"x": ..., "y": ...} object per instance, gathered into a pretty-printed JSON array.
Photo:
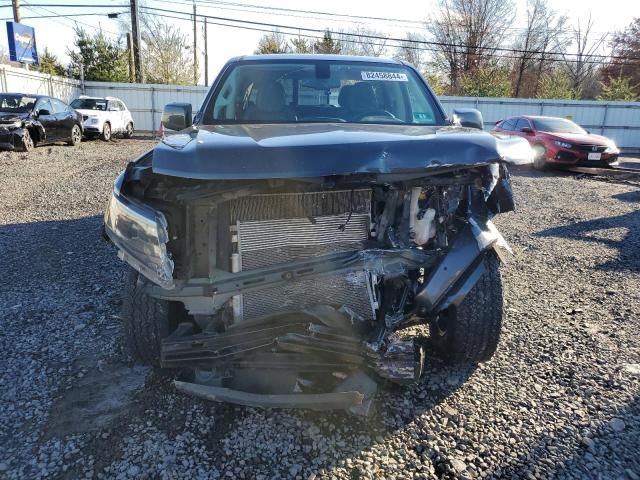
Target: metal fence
[{"x": 617, "y": 120}]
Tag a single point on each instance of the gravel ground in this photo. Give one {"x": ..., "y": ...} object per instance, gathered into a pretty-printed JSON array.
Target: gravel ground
[{"x": 560, "y": 399}]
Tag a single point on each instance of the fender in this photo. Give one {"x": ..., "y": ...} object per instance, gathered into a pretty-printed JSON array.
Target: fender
[{"x": 461, "y": 268}]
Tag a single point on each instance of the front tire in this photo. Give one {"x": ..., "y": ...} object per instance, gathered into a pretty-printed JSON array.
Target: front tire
[
  {"x": 106, "y": 132},
  {"x": 470, "y": 332},
  {"x": 76, "y": 136},
  {"x": 27, "y": 142},
  {"x": 128, "y": 131},
  {"x": 146, "y": 320}
]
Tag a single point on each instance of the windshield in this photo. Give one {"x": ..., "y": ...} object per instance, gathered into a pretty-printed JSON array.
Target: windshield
[
  {"x": 557, "y": 125},
  {"x": 89, "y": 104},
  {"x": 322, "y": 91},
  {"x": 16, "y": 103}
]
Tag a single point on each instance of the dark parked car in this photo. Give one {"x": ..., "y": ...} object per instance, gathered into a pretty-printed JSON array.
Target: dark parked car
[
  {"x": 318, "y": 206},
  {"x": 30, "y": 120},
  {"x": 560, "y": 141}
]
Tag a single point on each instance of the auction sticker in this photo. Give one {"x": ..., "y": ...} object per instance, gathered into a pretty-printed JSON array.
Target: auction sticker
[{"x": 386, "y": 76}]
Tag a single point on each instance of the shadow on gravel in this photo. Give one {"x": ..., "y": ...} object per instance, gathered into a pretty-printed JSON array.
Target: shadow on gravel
[
  {"x": 604, "y": 439},
  {"x": 594, "y": 231}
]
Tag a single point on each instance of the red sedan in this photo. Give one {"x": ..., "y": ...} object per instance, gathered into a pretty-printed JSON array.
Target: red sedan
[{"x": 558, "y": 141}]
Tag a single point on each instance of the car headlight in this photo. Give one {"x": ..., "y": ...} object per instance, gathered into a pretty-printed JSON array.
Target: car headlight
[
  {"x": 562, "y": 144},
  {"x": 93, "y": 120},
  {"x": 16, "y": 124},
  {"x": 612, "y": 148},
  {"x": 141, "y": 235}
]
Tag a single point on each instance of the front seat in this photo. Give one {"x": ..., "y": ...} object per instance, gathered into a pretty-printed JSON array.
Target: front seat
[
  {"x": 270, "y": 104},
  {"x": 357, "y": 99}
]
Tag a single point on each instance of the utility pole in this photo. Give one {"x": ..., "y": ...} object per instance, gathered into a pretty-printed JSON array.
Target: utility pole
[
  {"x": 206, "y": 55},
  {"x": 16, "y": 10},
  {"x": 135, "y": 28},
  {"x": 132, "y": 63},
  {"x": 195, "y": 46}
]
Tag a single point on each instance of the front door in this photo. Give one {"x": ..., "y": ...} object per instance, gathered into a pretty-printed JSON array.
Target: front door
[{"x": 47, "y": 118}]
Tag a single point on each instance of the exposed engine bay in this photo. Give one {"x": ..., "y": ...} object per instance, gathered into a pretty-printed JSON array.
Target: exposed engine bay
[{"x": 296, "y": 292}]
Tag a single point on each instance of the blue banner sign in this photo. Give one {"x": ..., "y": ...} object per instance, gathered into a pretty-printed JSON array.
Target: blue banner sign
[{"x": 22, "y": 43}]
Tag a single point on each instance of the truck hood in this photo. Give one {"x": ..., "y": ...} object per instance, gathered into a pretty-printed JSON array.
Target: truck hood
[{"x": 226, "y": 152}]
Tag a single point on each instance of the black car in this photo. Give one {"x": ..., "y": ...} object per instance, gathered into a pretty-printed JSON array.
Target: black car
[
  {"x": 319, "y": 206},
  {"x": 30, "y": 120}
]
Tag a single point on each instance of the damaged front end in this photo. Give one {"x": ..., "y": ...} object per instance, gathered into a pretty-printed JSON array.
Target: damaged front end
[{"x": 297, "y": 290}]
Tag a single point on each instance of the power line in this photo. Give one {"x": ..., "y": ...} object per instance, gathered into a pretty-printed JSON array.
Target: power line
[
  {"x": 394, "y": 39},
  {"x": 68, "y": 16}
]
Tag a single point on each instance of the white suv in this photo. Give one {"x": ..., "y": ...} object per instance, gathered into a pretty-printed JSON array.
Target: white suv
[{"x": 104, "y": 117}]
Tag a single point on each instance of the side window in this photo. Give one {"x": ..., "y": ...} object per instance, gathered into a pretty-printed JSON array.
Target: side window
[
  {"x": 122, "y": 107},
  {"x": 58, "y": 106},
  {"x": 509, "y": 124},
  {"x": 522, "y": 123},
  {"x": 44, "y": 104}
]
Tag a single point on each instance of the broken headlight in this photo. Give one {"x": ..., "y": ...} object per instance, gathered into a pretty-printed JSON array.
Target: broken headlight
[{"x": 141, "y": 235}]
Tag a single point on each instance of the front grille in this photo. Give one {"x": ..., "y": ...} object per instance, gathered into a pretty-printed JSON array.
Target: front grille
[
  {"x": 591, "y": 148},
  {"x": 273, "y": 229}
]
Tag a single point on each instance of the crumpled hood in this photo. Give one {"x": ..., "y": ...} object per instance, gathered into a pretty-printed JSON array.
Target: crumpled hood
[
  {"x": 225, "y": 152},
  {"x": 7, "y": 117}
]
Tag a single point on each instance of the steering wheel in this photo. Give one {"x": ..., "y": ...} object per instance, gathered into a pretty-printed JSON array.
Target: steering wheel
[{"x": 376, "y": 113}]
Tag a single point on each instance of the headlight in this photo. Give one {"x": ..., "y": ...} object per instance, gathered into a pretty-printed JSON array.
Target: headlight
[
  {"x": 612, "y": 148},
  {"x": 141, "y": 235},
  {"x": 93, "y": 120},
  {"x": 16, "y": 124},
  {"x": 562, "y": 144}
]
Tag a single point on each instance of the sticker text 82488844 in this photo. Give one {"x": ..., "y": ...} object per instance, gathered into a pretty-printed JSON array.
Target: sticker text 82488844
[{"x": 385, "y": 76}]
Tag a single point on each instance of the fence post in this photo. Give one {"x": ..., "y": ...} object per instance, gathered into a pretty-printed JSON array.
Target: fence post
[
  {"x": 153, "y": 110},
  {"x": 604, "y": 118},
  {"x": 3, "y": 79}
]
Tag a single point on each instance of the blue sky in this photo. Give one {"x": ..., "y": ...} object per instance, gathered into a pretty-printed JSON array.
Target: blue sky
[{"x": 224, "y": 42}]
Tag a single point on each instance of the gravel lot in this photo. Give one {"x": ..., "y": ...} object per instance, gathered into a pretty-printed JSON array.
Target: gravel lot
[{"x": 560, "y": 399}]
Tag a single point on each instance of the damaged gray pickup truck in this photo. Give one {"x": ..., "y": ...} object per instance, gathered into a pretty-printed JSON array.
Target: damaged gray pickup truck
[{"x": 317, "y": 207}]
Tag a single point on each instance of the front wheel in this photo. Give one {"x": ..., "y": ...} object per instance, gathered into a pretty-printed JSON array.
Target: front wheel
[
  {"x": 470, "y": 332},
  {"x": 76, "y": 136},
  {"x": 540, "y": 158},
  {"x": 106, "y": 132},
  {"x": 128, "y": 131},
  {"x": 27, "y": 142}
]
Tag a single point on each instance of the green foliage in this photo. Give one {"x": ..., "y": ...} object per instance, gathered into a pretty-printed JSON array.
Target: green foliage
[
  {"x": 487, "y": 81},
  {"x": 273, "y": 42},
  {"x": 167, "y": 58},
  {"x": 103, "y": 60},
  {"x": 300, "y": 45},
  {"x": 327, "y": 44},
  {"x": 556, "y": 85},
  {"x": 618, "y": 89},
  {"x": 436, "y": 83},
  {"x": 49, "y": 64}
]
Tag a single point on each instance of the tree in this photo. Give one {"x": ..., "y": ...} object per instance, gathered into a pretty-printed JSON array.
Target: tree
[
  {"x": 300, "y": 45},
  {"x": 273, "y": 42},
  {"x": 436, "y": 83},
  {"x": 544, "y": 32},
  {"x": 556, "y": 84},
  {"x": 48, "y": 63},
  {"x": 103, "y": 60},
  {"x": 411, "y": 51},
  {"x": 327, "y": 44},
  {"x": 581, "y": 65},
  {"x": 359, "y": 42},
  {"x": 466, "y": 32},
  {"x": 625, "y": 50},
  {"x": 491, "y": 80},
  {"x": 618, "y": 89},
  {"x": 166, "y": 54}
]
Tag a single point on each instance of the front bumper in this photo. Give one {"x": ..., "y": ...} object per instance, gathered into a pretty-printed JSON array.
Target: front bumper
[
  {"x": 563, "y": 156},
  {"x": 11, "y": 139}
]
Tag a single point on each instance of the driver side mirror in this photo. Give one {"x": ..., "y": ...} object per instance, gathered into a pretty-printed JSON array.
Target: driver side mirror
[
  {"x": 468, "y": 117},
  {"x": 43, "y": 112},
  {"x": 177, "y": 116},
  {"x": 527, "y": 130}
]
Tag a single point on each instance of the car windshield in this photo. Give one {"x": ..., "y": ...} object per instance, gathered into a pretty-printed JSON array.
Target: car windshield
[
  {"x": 16, "y": 103},
  {"x": 322, "y": 91},
  {"x": 557, "y": 125},
  {"x": 89, "y": 104}
]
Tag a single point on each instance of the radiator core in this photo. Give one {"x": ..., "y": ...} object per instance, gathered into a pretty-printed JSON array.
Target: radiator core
[{"x": 278, "y": 228}]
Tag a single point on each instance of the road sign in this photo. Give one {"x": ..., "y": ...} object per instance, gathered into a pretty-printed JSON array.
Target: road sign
[{"x": 22, "y": 43}]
